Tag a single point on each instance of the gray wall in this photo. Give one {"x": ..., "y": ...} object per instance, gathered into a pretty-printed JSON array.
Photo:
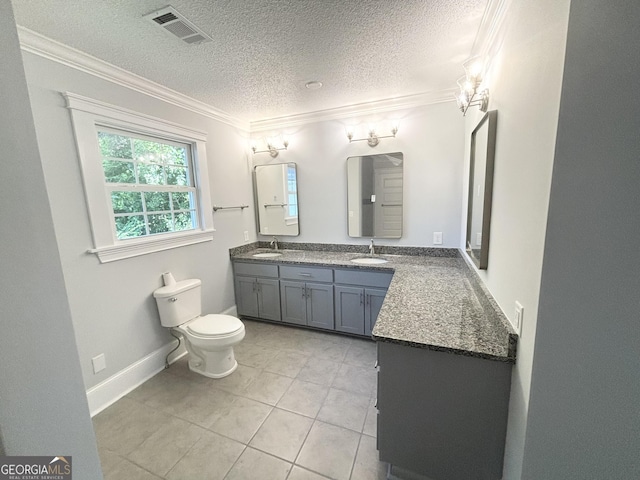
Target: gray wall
[
  {"x": 525, "y": 82},
  {"x": 44, "y": 409},
  {"x": 430, "y": 137},
  {"x": 111, "y": 304},
  {"x": 584, "y": 413}
]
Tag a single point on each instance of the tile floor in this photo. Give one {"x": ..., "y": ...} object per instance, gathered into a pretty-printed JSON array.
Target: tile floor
[{"x": 300, "y": 406}]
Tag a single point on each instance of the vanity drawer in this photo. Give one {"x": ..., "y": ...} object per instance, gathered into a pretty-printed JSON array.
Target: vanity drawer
[
  {"x": 306, "y": 273},
  {"x": 256, "y": 269},
  {"x": 363, "y": 278}
]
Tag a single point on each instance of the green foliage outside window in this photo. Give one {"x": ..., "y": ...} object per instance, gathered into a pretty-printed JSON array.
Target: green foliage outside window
[{"x": 128, "y": 161}]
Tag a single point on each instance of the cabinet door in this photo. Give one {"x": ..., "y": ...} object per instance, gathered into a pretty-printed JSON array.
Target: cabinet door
[
  {"x": 293, "y": 302},
  {"x": 247, "y": 296},
  {"x": 373, "y": 302},
  {"x": 350, "y": 309},
  {"x": 269, "y": 299},
  {"x": 319, "y": 305}
]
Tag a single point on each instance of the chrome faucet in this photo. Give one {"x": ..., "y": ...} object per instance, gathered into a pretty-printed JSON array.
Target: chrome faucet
[
  {"x": 372, "y": 249},
  {"x": 274, "y": 243}
]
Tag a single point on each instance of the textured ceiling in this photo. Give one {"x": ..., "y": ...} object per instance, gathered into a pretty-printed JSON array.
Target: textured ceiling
[{"x": 264, "y": 51}]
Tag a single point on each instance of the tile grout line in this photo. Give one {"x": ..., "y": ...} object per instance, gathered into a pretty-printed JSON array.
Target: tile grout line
[
  {"x": 355, "y": 457},
  {"x": 311, "y": 353}
]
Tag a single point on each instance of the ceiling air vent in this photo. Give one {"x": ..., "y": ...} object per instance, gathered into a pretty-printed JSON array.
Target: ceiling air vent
[{"x": 176, "y": 25}]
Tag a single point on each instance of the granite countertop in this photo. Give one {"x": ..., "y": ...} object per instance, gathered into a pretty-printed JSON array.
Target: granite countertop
[{"x": 434, "y": 302}]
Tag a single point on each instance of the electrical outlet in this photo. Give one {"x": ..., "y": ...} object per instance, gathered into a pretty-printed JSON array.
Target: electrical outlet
[
  {"x": 519, "y": 317},
  {"x": 437, "y": 238},
  {"x": 246, "y": 235},
  {"x": 99, "y": 363}
]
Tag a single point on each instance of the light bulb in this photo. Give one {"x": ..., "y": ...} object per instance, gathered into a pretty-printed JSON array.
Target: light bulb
[{"x": 473, "y": 67}]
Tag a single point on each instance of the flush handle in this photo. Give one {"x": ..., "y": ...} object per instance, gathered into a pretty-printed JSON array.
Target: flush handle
[{"x": 173, "y": 299}]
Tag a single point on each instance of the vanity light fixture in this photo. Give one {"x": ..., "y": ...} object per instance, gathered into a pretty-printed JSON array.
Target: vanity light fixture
[
  {"x": 271, "y": 148},
  {"x": 373, "y": 139},
  {"x": 471, "y": 92}
]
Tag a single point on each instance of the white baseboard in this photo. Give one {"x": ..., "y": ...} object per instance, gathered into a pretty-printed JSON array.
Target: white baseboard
[{"x": 117, "y": 386}]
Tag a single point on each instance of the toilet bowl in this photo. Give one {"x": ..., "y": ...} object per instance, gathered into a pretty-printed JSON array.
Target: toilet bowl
[{"x": 209, "y": 339}]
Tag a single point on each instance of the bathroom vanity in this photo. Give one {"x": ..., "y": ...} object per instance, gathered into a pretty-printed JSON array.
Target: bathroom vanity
[
  {"x": 338, "y": 299},
  {"x": 445, "y": 350}
]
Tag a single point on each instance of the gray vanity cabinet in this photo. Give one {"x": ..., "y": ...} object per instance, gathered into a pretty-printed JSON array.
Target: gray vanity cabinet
[
  {"x": 307, "y": 302},
  {"x": 442, "y": 415},
  {"x": 358, "y": 302},
  {"x": 293, "y": 302},
  {"x": 345, "y": 300},
  {"x": 373, "y": 302},
  {"x": 349, "y": 309},
  {"x": 257, "y": 290}
]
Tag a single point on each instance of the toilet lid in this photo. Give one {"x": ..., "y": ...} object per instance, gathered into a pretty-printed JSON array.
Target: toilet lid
[{"x": 214, "y": 325}]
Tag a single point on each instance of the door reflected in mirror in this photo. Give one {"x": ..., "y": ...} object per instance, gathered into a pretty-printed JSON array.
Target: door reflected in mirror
[
  {"x": 374, "y": 195},
  {"x": 276, "y": 188}
]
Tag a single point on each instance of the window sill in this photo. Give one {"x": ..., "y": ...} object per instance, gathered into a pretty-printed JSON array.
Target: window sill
[{"x": 134, "y": 248}]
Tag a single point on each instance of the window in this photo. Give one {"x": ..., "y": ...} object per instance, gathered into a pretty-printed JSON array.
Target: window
[
  {"x": 292, "y": 192},
  {"x": 150, "y": 183},
  {"x": 146, "y": 189}
]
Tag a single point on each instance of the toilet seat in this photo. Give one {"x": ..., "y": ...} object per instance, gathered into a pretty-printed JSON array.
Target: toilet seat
[{"x": 213, "y": 326}]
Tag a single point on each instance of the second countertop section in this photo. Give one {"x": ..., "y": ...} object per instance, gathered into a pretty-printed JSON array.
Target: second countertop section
[{"x": 434, "y": 302}]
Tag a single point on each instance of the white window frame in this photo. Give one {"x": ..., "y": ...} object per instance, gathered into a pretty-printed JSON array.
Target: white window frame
[{"x": 88, "y": 115}]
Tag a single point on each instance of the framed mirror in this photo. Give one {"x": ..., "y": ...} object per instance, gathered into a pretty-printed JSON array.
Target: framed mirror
[
  {"x": 276, "y": 194},
  {"x": 483, "y": 147},
  {"x": 374, "y": 195}
]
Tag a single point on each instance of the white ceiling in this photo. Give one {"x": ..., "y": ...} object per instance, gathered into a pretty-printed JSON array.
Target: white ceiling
[{"x": 264, "y": 51}]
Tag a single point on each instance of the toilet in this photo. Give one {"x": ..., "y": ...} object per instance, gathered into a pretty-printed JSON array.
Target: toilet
[{"x": 209, "y": 338}]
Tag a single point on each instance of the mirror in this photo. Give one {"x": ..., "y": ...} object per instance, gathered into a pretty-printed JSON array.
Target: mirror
[
  {"x": 276, "y": 193},
  {"x": 374, "y": 195},
  {"x": 483, "y": 146}
]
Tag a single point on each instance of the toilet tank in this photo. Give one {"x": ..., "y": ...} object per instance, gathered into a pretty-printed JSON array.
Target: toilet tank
[{"x": 179, "y": 303}]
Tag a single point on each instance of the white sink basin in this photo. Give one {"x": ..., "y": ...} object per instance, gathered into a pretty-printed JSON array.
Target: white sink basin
[
  {"x": 369, "y": 260},
  {"x": 267, "y": 255}
]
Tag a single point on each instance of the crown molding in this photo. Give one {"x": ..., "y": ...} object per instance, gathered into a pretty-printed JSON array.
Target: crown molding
[
  {"x": 37, "y": 44},
  {"x": 355, "y": 110},
  {"x": 492, "y": 28},
  {"x": 45, "y": 47}
]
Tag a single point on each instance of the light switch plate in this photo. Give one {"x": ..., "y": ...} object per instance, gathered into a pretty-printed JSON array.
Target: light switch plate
[{"x": 519, "y": 317}]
